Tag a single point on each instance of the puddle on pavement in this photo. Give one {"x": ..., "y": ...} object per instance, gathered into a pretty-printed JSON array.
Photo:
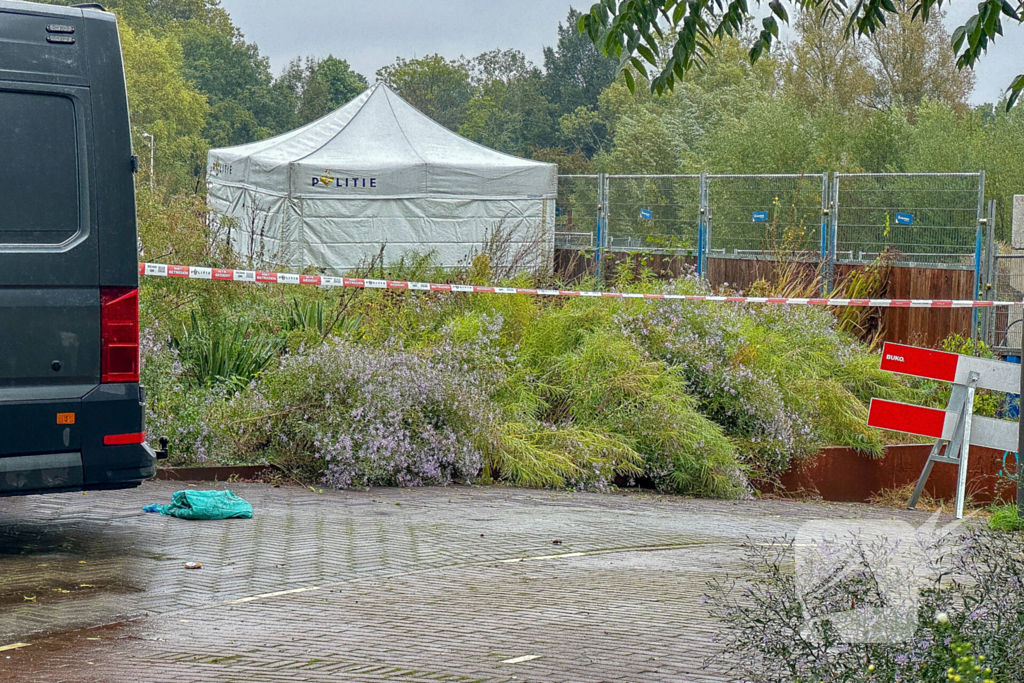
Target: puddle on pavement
[{"x": 47, "y": 563}]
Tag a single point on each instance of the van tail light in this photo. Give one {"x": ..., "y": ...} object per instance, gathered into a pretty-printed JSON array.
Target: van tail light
[
  {"x": 124, "y": 439},
  {"x": 119, "y": 335}
]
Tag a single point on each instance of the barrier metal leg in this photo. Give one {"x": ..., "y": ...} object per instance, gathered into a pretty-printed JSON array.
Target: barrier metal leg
[
  {"x": 961, "y": 402},
  {"x": 925, "y": 473}
]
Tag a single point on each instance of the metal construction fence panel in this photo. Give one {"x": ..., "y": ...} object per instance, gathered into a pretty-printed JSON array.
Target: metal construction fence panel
[
  {"x": 653, "y": 212},
  {"x": 577, "y": 211},
  {"x": 1007, "y": 325},
  {"x": 922, "y": 218},
  {"x": 767, "y": 215}
]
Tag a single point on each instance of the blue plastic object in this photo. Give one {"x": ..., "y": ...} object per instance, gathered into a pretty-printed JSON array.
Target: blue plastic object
[
  {"x": 204, "y": 505},
  {"x": 1011, "y": 408}
]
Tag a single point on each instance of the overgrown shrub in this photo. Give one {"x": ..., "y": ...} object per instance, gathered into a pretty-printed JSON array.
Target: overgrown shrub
[
  {"x": 781, "y": 381},
  {"x": 230, "y": 352},
  {"x": 176, "y": 407},
  {"x": 365, "y": 417},
  {"x": 970, "y": 615},
  {"x": 571, "y": 380},
  {"x": 697, "y": 398}
]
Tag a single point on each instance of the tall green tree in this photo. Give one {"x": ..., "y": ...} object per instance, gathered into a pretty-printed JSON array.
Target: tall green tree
[
  {"x": 508, "y": 110},
  {"x": 164, "y": 104},
  {"x": 223, "y": 65},
  {"x": 328, "y": 84},
  {"x": 943, "y": 138},
  {"x": 583, "y": 131},
  {"x": 999, "y": 149},
  {"x": 696, "y": 116},
  {"x": 500, "y": 66},
  {"x": 237, "y": 82},
  {"x": 438, "y": 87},
  {"x": 881, "y": 143},
  {"x": 823, "y": 69},
  {"x": 911, "y": 61},
  {"x": 575, "y": 71},
  {"x": 229, "y": 124}
]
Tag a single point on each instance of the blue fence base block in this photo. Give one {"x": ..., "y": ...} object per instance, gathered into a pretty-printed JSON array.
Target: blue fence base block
[
  {"x": 1010, "y": 411},
  {"x": 1011, "y": 406}
]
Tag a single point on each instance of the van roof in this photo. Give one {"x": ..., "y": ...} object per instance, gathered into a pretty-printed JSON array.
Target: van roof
[{"x": 52, "y": 10}]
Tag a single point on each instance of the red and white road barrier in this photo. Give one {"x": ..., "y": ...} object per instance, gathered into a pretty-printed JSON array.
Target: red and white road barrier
[
  {"x": 956, "y": 428},
  {"x": 231, "y": 275},
  {"x": 961, "y": 371},
  {"x": 951, "y": 367},
  {"x": 936, "y": 423}
]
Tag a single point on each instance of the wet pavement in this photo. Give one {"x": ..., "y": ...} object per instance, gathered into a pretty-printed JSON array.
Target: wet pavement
[{"x": 455, "y": 584}]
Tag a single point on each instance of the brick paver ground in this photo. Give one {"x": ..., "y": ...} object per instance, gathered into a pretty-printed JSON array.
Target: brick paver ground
[{"x": 381, "y": 585}]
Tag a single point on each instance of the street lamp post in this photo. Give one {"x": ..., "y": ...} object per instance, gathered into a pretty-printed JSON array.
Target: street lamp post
[{"x": 152, "y": 160}]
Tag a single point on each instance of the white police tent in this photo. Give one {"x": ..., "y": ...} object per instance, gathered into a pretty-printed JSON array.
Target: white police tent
[{"x": 378, "y": 171}]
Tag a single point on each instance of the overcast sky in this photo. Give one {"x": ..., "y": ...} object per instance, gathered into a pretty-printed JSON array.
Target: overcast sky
[{"x": 371, "y": 33}]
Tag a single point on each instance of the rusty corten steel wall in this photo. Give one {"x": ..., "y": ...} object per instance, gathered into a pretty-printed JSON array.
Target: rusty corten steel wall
[{"x": 843, "y": 475}]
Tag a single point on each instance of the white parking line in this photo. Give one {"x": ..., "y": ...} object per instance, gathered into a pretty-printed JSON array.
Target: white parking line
[
  {"x": 15, "y": 646},
  {"x": 272, "y": 595}
]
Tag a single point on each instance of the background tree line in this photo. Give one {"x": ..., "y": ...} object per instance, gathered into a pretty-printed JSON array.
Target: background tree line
[{"x": 892, "y": 102}]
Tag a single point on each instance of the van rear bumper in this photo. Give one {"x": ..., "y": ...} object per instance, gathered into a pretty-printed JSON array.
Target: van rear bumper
[
  {"x": 59, "y": 445},
  {"x": 61, "y": 472}
]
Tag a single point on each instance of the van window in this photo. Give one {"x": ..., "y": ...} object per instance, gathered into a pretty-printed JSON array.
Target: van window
[{"x": 39, "y": 184}]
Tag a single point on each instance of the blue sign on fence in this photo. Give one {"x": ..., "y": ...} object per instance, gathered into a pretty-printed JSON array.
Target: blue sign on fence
[
  {"x": 646, "y": 214},
  {"x": 904, "y": 219},
  {"x": 760, "y": 216}
]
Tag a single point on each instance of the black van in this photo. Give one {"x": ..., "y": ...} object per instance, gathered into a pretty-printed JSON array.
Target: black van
[{"x": 71, "y": 408}]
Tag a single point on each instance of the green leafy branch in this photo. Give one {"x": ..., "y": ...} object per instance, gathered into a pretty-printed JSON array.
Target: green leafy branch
[{"x": 635, "y": 30}]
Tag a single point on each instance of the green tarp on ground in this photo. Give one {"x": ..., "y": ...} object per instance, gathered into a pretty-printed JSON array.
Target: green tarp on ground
[{"x": 204, "y": 505}]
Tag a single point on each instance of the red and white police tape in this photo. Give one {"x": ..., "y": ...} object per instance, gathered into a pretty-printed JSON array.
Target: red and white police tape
[{"x": 231, "y": 275}]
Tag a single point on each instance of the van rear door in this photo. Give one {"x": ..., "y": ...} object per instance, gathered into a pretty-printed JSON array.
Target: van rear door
[
  {"x": 71, "y": 408},
  {"x": 49, "y": 263}
]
